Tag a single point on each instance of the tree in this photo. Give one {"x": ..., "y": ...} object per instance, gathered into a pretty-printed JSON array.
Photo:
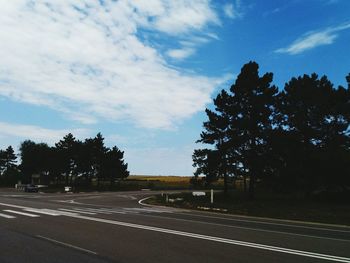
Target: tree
[
  {"x": 29, "y": 160},
  {"x": 239, "y": 126},
  {"x": 208, "y": 163},
  {"x": 97, "y": 152},
  {"x": 113, "y": 166},
  {"x": 35, "y": 159},
  {"x": 2, "y": 161},
  {"x": 68, "y": 154},
  {"x": 10, "y": 158},
  {"x": 315, "y": 117},
  {"x": 8, "y": 168},
  {"x": 213, "y": 162}
]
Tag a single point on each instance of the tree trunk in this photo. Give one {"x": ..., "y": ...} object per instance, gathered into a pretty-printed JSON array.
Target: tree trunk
[
  {"x": 245, "y": 183},
  {"x": 66, "y": 179},
  {"x": 225, "y": 183},
  {"x": 252, "y": 186},
  {"x": 71, "y": 180}
]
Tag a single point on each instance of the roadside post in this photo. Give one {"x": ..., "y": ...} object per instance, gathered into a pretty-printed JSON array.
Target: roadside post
[{"x": 211, "y": 196}]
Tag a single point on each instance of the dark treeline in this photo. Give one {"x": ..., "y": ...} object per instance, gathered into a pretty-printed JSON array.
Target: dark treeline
[
  {"x": 70, "y": 162},
  {"x": 296, "y": 140}
]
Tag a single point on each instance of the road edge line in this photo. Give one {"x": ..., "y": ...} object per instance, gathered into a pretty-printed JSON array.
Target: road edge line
[{"x": 297, "y": 222}]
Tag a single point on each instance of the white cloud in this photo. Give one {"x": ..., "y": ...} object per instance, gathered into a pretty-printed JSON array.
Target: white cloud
[
  {"x": 232, "y": 10},
  {"x": 313, "y": 39},
  {"x": 176, "y": 17},
  {"x": 9, "y": 131},
  {"x": 180, "y": 53},
  {"x": 87, "y": 60}
]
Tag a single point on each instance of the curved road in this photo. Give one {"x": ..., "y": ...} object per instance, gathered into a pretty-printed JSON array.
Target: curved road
[{"x": 114, "y": 227}]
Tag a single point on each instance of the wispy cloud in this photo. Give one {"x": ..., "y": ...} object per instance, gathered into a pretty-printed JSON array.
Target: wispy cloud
[
  {"x": 233, "y": 9},
  {"x": 87, "y": 60},
  {"x": 314, "y": 39},
  {"x": 36, "y": 133}
]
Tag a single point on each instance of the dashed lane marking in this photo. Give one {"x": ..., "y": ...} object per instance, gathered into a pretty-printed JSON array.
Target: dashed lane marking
[
  {"x": 43, "y": 211},
  {"x": 21, "y": 213},
  {"x": 6, "y": 216}
]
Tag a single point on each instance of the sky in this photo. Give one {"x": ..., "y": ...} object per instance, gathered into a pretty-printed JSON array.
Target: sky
[{"x": 142, "y": 72}]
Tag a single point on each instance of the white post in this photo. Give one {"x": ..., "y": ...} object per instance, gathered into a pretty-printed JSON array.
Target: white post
[
  {"x": 166, "y": 198},
  {"x": 211, "y": 196}
]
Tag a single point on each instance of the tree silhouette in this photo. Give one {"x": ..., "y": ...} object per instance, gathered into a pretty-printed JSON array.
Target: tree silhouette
[
  {"x": 208, "y": 163},
  {"x": 113, "y": 166},
  {"x": 68, "y": 154},
  {"x": 240, "y": 125},
  {"x": 96, "y": 152},
  {"x": 213, "y": 163},
  {"x": 315, "y": 118},
  {"x": 8, "y": 168}
]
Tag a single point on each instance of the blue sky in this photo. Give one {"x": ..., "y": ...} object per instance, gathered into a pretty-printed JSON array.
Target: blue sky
[{"x": 143, "y": 72}]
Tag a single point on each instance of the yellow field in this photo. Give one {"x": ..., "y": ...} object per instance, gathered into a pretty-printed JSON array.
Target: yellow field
[{"x": 166, "y": 179}]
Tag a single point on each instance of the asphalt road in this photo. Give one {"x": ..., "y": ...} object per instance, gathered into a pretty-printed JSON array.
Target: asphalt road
[{"x": 114, "y": 227}]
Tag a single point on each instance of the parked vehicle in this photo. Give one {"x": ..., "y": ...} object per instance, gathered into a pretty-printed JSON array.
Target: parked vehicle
[{"x": 31, "y": 188}]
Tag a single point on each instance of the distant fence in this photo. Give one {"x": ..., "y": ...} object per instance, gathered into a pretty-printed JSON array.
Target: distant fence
[{"x": 20, "y": 187}]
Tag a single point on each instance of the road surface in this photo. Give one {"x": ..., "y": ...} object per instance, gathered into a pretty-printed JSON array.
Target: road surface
[{"x": 114, "y": 227}]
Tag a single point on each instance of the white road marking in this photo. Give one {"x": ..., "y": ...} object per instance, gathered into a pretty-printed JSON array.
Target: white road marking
[
  {"x": 67, "y": 201},
  {"x": 92, "y": 210},
  {"x": 21, "y": 213},
  {"x": 6, "y": 216},
  {"x": 75, "y": 211},
  {"x": 43, "y": 211},
  {"x": 128, "y": 197},
  {"x": 250, "y": 221},
  {"x": 218, "y": 239},
  {"x": 100, "y": 210},
  {"x": 192, "y": 235},
  {"x": 16, "y": 206},
  {"x": 67, "y": 245},
  {"x": 245, "y": 228},
  {"x": 113, "y": 211},
  {"x": 148, "y": 210},
  {"x": 269, "y": 223}
]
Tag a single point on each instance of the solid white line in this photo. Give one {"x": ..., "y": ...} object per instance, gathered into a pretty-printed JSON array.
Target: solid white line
[
  {"x": 43, "y": 211},
  {"x": 143, "y": 199},
  {"x": 67, "y": 245},
  {"x": 218, "y": 239},
  {"x": 21, "y": 213},
  {"x": 148, "y": 210},
  {"x": 268, "y": 223},
  {"x": 75, "y": 211},
  {"x": 258, "y": 221},
  {"x": 198, "y": 236},
  {"x": 15, "y": 206},
  {"x": 245, "y": 228},
  {"x": 110, "y": 210},
  {"x": 92, "y": 210},
  {"x": 101, "y": 210},
  {"x": 6, "y": 216}
]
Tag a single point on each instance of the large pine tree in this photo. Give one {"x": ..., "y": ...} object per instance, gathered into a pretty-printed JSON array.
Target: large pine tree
[{"x": 239, "y": 126}]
